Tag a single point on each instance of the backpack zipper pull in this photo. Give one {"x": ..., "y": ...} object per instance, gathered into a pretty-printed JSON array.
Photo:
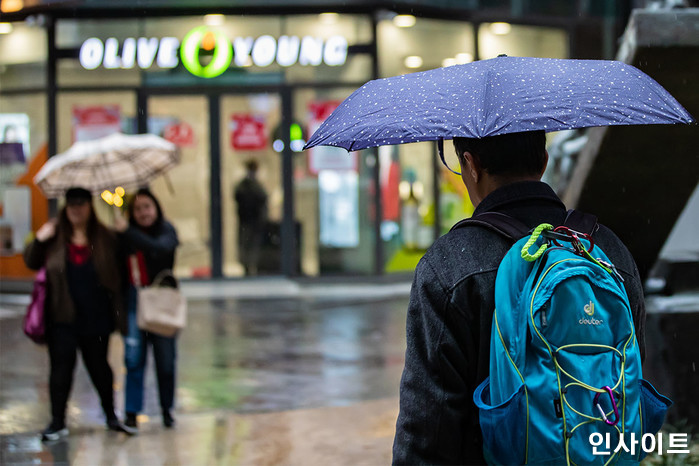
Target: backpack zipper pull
[{"x": 611, "y": 267}]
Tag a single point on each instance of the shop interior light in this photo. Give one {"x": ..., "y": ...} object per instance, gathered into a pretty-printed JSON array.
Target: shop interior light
[
  {"x": 9, "y": 6},
  {"x": 5, "y": 28},
  {"x": 404, "y": 21},
  {"x": 404, "y": 190},
  {"x": 464, "y": 57},
  {"x": 449, "y": 62},
  {"x": 214, "y": 20},
  {"x": 328, "y": 18},
  {"x": 500, "y": 29},
  {"x": 413, "y": 61}
]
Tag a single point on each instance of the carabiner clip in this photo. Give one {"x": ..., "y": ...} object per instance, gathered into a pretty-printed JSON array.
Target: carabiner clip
[
  {"x": 574, "y": 238},
  {"x": 601, "y": 410}
]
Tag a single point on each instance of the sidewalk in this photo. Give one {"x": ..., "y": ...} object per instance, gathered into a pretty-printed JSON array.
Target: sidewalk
[
  {"x": 270, "y": 372},
  {"x": 361, "y": 434},
  {"x": 273, "y": 288}
]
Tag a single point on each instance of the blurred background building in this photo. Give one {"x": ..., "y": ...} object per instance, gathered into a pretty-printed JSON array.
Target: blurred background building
[{"x": 243, "y": 80}]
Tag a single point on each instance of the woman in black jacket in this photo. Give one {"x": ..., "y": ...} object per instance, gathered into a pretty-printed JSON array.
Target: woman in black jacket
[
  {"x": 83, "y": 306},
  {"x": 149, "y": 243}
]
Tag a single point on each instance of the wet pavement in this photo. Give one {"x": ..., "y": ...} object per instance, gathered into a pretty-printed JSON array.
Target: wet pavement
[{"x": 304, "y": 376}]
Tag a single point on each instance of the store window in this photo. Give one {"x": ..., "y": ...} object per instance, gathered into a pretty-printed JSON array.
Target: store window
[
  {"x": 334, "y": 195},
  {"x": 23, "y": 139},
  {"x": 424, "y": 45},
  {"x": 23, "y": 55},
  {"x": 23, "y": 151},
  {"x": 407, "y": 171},
  {"x": 250, "y": 136},
  {"x": 521, "y": 41}
]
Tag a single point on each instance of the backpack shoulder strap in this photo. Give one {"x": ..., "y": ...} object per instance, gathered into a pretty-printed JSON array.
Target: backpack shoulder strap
[
  {"x": 581, "y": 222},
  {"x": 503, "y": 224},
  {"x": 513, "y": 229}
]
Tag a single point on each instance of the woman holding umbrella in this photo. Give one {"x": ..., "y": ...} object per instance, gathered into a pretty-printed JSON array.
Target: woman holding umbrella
[
  {"x": 84, "y": 304},
  {"x": 149, "y": 243}
]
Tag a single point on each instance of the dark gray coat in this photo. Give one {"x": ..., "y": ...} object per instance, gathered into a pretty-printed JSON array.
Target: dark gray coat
[{"x": 449, "y": 321}]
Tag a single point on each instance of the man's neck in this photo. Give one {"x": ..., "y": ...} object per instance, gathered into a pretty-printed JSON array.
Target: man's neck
[{"x": 488, "y": 183}]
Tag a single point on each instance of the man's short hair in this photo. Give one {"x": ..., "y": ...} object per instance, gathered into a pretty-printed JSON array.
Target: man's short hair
[{"x": 507, "y": 154}]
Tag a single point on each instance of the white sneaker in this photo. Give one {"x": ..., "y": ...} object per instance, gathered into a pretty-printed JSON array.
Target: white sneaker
[{"x": 52, "y": 433}]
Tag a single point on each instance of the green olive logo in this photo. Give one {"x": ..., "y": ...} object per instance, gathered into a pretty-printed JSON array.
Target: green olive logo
[{"x": 202, "y": 38}]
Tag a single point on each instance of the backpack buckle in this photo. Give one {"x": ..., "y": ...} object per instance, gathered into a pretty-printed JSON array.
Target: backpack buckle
[{"x": 614, "y": 406}]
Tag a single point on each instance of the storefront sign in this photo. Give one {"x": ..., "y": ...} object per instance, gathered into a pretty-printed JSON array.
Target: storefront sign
[
  {"x": 262, "y": 51},
  {"x": 202, "y": 38},
  {"x": 141, "y": 52},
  {"x": 248, "y": 132}
]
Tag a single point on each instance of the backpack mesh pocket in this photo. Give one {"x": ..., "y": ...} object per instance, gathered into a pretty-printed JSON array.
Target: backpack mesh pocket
[{"x": 503, "y": 426}]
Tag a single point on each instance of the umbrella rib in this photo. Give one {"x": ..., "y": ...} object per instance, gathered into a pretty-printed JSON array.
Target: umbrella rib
[
  {"x": 103, "y": 168},
  {"x": 146, "y": 172},
  {"x": 133, "y": 158}
]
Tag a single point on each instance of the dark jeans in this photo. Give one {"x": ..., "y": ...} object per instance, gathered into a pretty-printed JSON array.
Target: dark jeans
[
  {"x": 135, "y": 356},
  {"x": 63, "y": 343}
]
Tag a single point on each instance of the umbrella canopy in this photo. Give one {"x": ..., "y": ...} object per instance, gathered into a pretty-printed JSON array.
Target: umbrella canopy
[
  {"x": 130, "y": 161},
  {"x": 497, "y": 96}
]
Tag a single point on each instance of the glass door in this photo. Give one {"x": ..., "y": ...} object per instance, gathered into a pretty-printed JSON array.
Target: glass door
[
  {"x": 251, "y": 184},
  {"x": 334, "y": 194},
  {"x": 184, "y": 192}
]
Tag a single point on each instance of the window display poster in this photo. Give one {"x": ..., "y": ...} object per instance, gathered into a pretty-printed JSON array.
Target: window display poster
[
  {"x": 96, "y": 121},
  {"x": 14, "y": 138},
  {"x": 16, "y": 221},
  {"x": 338, "y": 195},
  {"x": 248, "y": 132},
  {"x": 14, "y": 149},
  {"x": 324, "y": 157},
  {"x": 179, "y": 133}
]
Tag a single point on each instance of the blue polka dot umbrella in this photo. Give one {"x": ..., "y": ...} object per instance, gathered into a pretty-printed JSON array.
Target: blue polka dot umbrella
[{"x": 497, "y": 96}]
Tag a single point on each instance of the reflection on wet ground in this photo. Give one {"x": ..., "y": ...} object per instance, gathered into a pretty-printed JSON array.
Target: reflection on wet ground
[{"x": 292, "y": 381}]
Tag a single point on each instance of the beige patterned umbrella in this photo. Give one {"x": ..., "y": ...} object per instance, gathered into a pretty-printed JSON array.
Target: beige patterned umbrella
[{"x": 130, "y": 161}]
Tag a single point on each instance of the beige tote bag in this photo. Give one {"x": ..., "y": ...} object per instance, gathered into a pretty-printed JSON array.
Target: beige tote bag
[{"x": 161, "y": 309}]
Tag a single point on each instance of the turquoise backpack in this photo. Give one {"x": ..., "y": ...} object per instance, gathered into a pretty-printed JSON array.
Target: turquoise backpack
[{"x": 564, "y": 360}]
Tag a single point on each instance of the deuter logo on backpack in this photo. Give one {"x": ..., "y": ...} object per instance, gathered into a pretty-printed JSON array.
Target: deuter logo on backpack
[
  {"x": 557, "y": 377},
  {"x": 590, "y": 311}
]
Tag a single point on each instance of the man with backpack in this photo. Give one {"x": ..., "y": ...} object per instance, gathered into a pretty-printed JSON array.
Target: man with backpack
[{"x": 453, "y": 298}]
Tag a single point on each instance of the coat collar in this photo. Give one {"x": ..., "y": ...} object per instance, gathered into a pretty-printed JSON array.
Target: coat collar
[{"x": 506, "y": 197}]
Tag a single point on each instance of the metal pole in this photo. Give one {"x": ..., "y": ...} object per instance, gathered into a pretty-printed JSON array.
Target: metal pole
[
  {"x": 51, "y": 95},
  {"x": 215, "y": 181},
  {"x": 288, "y": 231},
  {"x": 141, "y": 112}
]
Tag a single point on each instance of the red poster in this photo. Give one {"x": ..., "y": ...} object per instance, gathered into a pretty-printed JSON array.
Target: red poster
[
  {"x": 180, "y": 134},
  {"x": 248, "y": 132},
  {"x": 96, "y": 121},
  {"x": 320, "y": 110}
]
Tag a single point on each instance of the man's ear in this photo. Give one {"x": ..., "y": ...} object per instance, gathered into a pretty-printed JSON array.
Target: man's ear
[
  {"x": 546, "y": 163},
  {"x": 473, "y": 166}
]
